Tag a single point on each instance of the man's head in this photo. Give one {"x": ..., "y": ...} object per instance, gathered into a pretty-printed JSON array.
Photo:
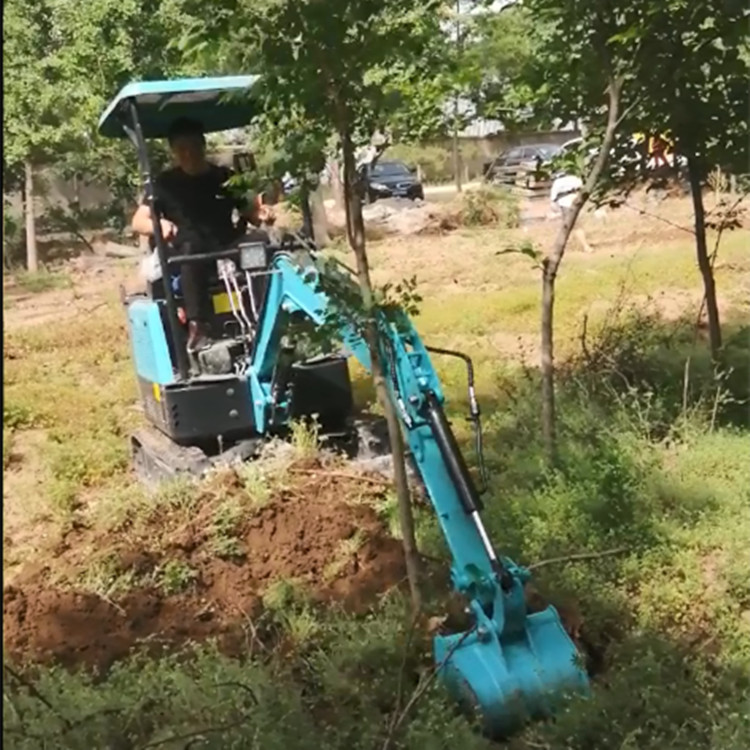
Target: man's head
[{"x": 188, "y": 145}]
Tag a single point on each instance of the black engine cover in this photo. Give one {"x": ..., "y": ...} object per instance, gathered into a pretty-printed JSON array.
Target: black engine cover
[{"x": 322, "y": 387}]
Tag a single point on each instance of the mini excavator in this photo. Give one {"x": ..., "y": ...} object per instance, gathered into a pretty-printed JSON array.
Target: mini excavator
[{"x": 510, "y": 666}]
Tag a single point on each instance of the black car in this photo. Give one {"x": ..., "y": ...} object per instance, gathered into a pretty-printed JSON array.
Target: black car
[
  {"x": 391, "y": 179},
  {"x": 518, "y": 161}
]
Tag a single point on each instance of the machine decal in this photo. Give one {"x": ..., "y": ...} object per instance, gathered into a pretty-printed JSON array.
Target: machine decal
[{"x": 222, "y": 303}]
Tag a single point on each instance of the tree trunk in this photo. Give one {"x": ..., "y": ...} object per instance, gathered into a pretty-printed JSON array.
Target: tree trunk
[
  {"x": 549, "y": 421},
  {"x": 356, "y": 235},
  {"x": 456, "y": 149},
  {"x": 336, "y": 186},
  {"x": 550, "y": 267},
  {"x": 32, "y": 259},
  {"x": 319, "y": 218},
  {"x": 704, "y": 264}
]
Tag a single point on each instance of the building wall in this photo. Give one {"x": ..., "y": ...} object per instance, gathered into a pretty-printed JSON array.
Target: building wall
[{"x": 476, "y": 151}]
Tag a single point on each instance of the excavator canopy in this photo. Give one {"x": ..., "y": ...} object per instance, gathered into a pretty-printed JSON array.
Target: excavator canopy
[{"x": 221, "y": 103}]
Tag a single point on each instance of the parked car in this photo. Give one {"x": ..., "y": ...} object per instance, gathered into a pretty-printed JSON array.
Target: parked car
[
  {"x": 391, "y": 179},
  {"x": 519, "y": 161}
]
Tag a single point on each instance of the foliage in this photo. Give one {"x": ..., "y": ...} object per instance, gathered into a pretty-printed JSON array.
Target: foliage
[
  {"x": 502, "y": 50},
  {"x": 667, "y": 611},
  {"x": 41, "y": 281},
  {"x": 489, "y": 206},
  {"x": 687, "y": 65},
  {"x": 346, "y": 317},
  {"x": 62, "y": 66},
  {"x": 373, "y": 64}
]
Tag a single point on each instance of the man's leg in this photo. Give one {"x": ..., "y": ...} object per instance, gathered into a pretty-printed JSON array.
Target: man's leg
[{"x": 195, "y": 293}]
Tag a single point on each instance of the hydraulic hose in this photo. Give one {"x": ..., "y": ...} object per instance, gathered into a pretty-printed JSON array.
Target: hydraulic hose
[{"x": 474, "y": 411}]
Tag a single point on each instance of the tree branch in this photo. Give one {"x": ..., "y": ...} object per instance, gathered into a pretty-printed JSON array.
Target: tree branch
[
  {"x": 578, "y": 556},
  {"x": 421, "y": 689}
]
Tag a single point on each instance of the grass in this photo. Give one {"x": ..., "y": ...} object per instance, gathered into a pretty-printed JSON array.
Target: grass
[
  {"x": 653, "y": 462},
  {"x": 175, "y": 576},
  {"x": 36, "y": 282}
]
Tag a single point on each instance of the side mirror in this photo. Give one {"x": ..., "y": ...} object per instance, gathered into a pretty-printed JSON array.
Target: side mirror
[{"x": 413, "y": 169}]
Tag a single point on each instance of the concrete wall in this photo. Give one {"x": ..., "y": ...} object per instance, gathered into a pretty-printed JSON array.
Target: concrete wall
[{"x": 475, "y": 152}]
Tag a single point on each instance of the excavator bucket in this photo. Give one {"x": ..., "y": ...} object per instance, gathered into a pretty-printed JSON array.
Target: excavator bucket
[{"x": 510, "y": 678}]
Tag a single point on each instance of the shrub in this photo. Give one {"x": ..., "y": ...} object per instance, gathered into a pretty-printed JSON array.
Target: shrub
[{"x": 489, "y": 206}]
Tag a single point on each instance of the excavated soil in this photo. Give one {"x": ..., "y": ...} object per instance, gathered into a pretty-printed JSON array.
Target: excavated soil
[{"x": 340, "y": 551}]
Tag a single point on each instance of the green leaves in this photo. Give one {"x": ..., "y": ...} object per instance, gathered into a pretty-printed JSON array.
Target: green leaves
[
  {"x": 63, "y": 62},
  {"x": 359, "y": 67}
]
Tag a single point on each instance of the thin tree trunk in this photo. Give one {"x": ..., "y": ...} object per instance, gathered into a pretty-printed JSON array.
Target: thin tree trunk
[
  {"x": 319, "y": 218},
  {"x": 704, "y": 263},
  {"x": 356, "y": 233},
  {"x": 32, "y": 258},
  {"x": 456, "y": 153},
  {"x": 550, "y": 267},
  {"x": 336, "y": 187},
  {"x": 456, "y": 145}
]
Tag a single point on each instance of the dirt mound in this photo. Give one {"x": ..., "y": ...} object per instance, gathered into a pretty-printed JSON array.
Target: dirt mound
[{"x": 171, "y": 580}]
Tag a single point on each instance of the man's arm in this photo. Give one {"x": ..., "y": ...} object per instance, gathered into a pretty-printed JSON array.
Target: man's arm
[
  {"x": 142, "y": 224},
  {"x": 252, "y": 211},
  {"x": 256, "y": 213}
]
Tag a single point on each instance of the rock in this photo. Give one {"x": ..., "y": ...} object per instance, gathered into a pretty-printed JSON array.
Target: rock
[{"x": 399, "y": 215}]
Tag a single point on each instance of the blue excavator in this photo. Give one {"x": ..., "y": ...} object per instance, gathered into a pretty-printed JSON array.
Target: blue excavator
[{"x": 510, "y": 665}]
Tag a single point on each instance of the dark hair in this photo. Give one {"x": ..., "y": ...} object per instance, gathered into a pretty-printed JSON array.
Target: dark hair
[{"x": 184, "y": 126}]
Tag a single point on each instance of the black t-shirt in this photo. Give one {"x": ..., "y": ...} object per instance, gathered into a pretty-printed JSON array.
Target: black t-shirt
[{"x": 201, "y": 207}]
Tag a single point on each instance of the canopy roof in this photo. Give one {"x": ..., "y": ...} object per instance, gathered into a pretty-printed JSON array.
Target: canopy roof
[{"x": 218, "y": 103}]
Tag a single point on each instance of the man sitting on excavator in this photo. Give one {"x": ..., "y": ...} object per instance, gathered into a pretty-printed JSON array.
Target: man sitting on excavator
[{"x": 197, "y": 210}]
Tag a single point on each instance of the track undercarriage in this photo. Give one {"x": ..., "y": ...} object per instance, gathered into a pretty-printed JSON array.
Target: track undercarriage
[{"x": 156, "y": 458}]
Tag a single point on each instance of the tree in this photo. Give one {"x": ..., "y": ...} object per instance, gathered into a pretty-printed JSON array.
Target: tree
[
  {"x": 356, "y": 69},
  {"x": 500, "y": 54},
  {"x": 62, "y": 63},
  {"x": 39, "y": 117},
  {"x": 574, "y": 74},
  {"x": 679, "y": 68},
  {"x": 690, "y": 68}
]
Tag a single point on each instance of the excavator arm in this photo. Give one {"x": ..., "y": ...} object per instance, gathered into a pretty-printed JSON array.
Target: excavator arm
[{"x": 510, "y": 666}]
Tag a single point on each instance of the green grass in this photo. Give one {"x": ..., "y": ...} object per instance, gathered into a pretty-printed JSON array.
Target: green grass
[
  {"x": 42, "y": 281},
  {"x": 653, "y": 464}
]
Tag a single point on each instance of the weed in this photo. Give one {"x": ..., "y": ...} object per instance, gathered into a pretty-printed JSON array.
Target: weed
[
  {"x": 63, "y": 497},
  {"x": 120, "y": 502},
  {"x": 347, "y": 549},
  {"x": 18, "y": 415},
  {"x": 224, "y": 527},
  {"x": 178, "y": 494},
  {"x": 175, "y": 576},
  {"x": 283, "y": 595},
  {"x": 302, "y": 626},
  {"x": 256, "y": 483},
  {"x": 106, "y": 579},
  {"x": 305, "y": 438},
  {"x": 42, "y": 281},
  {"x": 489, "y": 206}
]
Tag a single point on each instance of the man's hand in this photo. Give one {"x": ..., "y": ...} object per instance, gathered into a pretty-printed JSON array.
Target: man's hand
[{"x": 168, "y": 229}]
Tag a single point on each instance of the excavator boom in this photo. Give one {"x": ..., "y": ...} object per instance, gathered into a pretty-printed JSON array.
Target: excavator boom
[{"x": 510, "y": 666}]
